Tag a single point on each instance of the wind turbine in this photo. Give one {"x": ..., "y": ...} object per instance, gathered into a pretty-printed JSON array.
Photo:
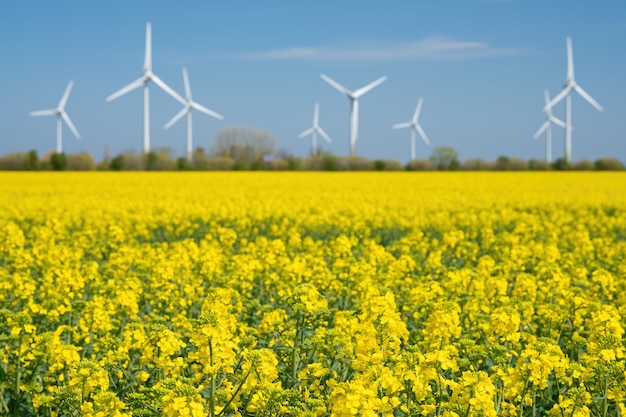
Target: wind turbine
[
  {"x": 190, "y": 104},
  {"x": 60, "y": 113},
  {"x": 415, "y": 127},
  {"x": 570, "y": 84},
  {"x": 547, "y": 127},
  {"x": 314, "y": 130},
  {"x": 148, "y": 75},
  {"x": 354, "y": 105}
]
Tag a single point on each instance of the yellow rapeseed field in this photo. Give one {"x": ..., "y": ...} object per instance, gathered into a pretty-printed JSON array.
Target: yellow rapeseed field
[{"x": 312, "y": 294}]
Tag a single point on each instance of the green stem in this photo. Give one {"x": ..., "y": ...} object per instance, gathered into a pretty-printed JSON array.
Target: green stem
[
  {"x": 212, "y": 395},
  {"x": 294, "y": 355},
  {"x": 606, "y": 399},
  {"x": 18, "y": 373},
  {"x": 243, "y": 381}
]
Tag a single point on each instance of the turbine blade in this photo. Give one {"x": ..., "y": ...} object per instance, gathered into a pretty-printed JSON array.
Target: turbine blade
[
  {"x": 556, "y": 121},
  {"x": 177, "y": 117},
  {"x": 147, "y": 63},
  {"x": 50, "y": 112},
  {"x": 324, "y": 135},
  {"x": 422, "y": 134},
  {"x": 361, "y": 91},
  {"x": 337, "y": 86},
  {"x": 416, "y": 115},
  {"x": 316, "y": 114},
  {"x": 307, "y": 132},
  {"x": 168, "y": 89},
  {"x": 543, "y": 127},
  {"x": 587, "y": 97},
  {"x": 546, "y": 95},
  {"x": 66, "y": 94},
  {"x": 69, "y": 124},
  {"x": 558, "y": 98},
  {"x": 130, "y": 87},
  {"x": 206, "y": 111},
  {"x": 187, "y": 87},
  {"x": 402, "y": 125},
  {"x": 570, "y": 60}
]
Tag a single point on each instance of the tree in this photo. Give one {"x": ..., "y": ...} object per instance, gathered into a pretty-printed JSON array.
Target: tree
[
  {"x": 445, "y": 158},
  {"x": 32, "y": 161},
  {"x": 58, "y": 161},
  {"x": 244, "y": 145}
]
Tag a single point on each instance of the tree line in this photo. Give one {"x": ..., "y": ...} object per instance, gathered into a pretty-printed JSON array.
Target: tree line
[{"x": 246, "y": 148}]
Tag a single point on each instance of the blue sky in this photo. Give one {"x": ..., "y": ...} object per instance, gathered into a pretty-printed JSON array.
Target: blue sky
[{"x": 481, "y": 66}]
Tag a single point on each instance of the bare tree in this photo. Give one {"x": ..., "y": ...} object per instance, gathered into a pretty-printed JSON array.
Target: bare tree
[{"x": 243, "y": 144}]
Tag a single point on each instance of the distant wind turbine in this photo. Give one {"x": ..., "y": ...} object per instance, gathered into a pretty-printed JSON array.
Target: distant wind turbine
[
  {"x": 148, "y": 75},
  {"x": 190, "y": 104},
  {"x": 354, "y": 105},
  {"x": 60, "y": 113},
  {"x": 415, "y": 127},
  {"x": 547, "y": 127},
  {"x": 570, "y": 84},
  {"x": 314, "y": 130}
]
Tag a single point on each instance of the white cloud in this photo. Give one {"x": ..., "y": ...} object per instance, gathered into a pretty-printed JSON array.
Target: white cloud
[{"x": 427, "y": 49}]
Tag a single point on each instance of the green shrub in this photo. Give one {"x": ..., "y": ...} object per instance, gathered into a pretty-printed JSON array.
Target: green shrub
[
  {"x": 13, "y": 161},
  {"x": 58, "y": 161},
  {"x": 419, "y": 165},
  {"x": 583, "y": 165},
  {"x": 313, "y": 163},
  {"x": 81, "y": 161},
  {"x": 477, "y": 164},
  {"x": 117, "y": 163},
  {"x": 220, "y": 163},
  {"x": 538, "y": 165},
  {"x": 608, "y": 164}
]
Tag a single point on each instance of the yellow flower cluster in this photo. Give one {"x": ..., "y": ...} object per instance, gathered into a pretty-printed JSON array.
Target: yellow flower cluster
[{"x": 312, "y": 294}]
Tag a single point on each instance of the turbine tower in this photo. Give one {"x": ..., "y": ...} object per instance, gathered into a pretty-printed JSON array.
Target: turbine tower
[
  {"x": 60, "y": 113},
  {"x": 354, "y": 105},
  {"x": 190, "y": 104},
  {"x": 415, "y": 127},
  {"x": 547, "y": 127},
  {"x": 570, "y": 84},
  {"x": 314, "y": 130},
  {"x": 148, "y": 75}
]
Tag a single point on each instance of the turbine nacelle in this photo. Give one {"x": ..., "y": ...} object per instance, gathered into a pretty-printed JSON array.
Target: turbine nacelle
[
  {"x": 61, "y": 114},
  {"x": 189, "y": 104},
  {"x": 354, "y": 105}
]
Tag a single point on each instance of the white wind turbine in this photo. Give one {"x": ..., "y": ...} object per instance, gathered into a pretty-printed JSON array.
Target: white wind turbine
[
  {"x": 148, "y": 75},
  {"x": 60, "y": 113},
  {"x": 415, "y": 127},
  {"x": 354, "y": 105},
  {"x": 570, "y": 84},
  {"x": 314, "y": 130},
  {"x": 190, "y": 104},
  {"x": 547, "y": 127}
]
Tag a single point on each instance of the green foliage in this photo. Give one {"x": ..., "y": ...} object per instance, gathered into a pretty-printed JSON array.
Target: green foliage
[
  {"x": 419, "y": 165},
  {"x": 13, "y": 161},
  {"x": 561, "y": 165},
  {"x": 608, "y": 164},
  {"x": 583, "y": 165},
  {"x": 477, "y": 164},
  {"x": 329, "y": 162},
  {"x": 538, "y": 165},
  {"x": 58, "y": 161},
  {"x": 117, "y": 163},
  {"x": 32, "y": 161},
  {"x": 182, "y": 164},
  {"x": 445, "y": 158},
  {"x": 81, "y": 161},
  {"x": 151, "y": 159}
]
